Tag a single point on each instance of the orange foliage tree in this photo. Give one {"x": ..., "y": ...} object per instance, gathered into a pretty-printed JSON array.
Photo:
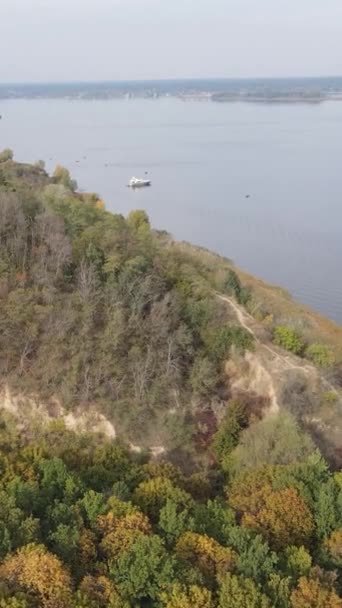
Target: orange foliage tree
[
  {"x": 281, "y": 516},
  {"x": 311, "y": 594}
]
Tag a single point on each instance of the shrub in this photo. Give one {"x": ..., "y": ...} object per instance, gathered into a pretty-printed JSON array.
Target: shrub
[
  {"x": 330, "y": 397},
  {"x": 233, "y": 286},
  {"x": 320, "y": 355},
  {"x": 227, "y": 337},
  {"x": 6, "y": 155},
  {"x": 288, "y": 338}
]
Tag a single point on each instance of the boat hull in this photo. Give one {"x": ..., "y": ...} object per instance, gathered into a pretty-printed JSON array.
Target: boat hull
[{"x": 140, "y": 184}]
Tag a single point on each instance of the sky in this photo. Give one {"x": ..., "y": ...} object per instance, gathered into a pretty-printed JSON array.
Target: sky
[{"x": 67, "y": 40}]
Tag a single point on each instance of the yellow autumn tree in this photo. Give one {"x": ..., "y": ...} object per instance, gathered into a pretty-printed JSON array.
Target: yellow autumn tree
[
  {"x": 152, "y": 495},
  {"x": 36, "y": 571},
  {"x": 125, "y": 530},
  {"x": 61, "y": 175},
  {"x": 281, "y": 516},
  {"x": 249, "y": 490},
  {"x": 284, "y": 519},
  {"x": 205, "y": 553},
  {"x": 311, "y": 594},
  {"x": 187, "y": 597},
  {"x": 333, "y": 546}
]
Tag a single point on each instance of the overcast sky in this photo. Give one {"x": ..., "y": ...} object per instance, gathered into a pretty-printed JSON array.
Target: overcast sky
[{"x": 49, "y": 40}]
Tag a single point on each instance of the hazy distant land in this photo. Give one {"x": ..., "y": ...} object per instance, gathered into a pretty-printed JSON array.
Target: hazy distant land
[{"x": 293, "y": 90}]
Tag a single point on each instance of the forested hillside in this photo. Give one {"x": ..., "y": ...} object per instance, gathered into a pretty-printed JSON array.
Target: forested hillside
[
  {"x": 99, "y": 309},
  {"x": 102, "y": 313},
  {"x": 222, "y": 488}
]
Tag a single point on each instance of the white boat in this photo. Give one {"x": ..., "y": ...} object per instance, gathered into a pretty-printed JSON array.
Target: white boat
[{"x": 135, "y": 182}]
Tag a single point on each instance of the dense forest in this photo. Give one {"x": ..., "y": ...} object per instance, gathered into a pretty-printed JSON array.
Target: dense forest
[
  {"x": 220, "y": 485},
  {"x": 84, "y": 524}
]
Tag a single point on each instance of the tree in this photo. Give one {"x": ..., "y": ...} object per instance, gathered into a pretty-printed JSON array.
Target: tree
[
  {"x": 205, "y": 553},
  {"x": 288, "y": 338},
  {"x": 98, "y": 591},
  {"x": 239, "y": 592},
  {"x": 93, "y": 505},
  {"x": 6, "y": 155},
  {"x": 174, "y": 521},
  {"x": 214, "y": 519},
  {"x": 311, "y": 594},
  {"x": 283, "y": 519},
  {"x": 274, "y": 440},
  {"x": 187, "y": 597},
  {"x": 328, "y": 508},
  {"x": 33, "y": 569},
  {"x": 281, "y": 516},
  {"x": 152, "y": 495},
  {"x": 124, "y": 533},
  {"x": 143, "y": 570},
  {"x": 228, "y": 434},
  {"x": 255, "y": 560},
  {"x": 279, "y": 590},
  {"x": 138, "y": 220},
  {"x": 333, "y": 546},
  {"x": 61, "y": 175},
  {"x": 15, "y": 528},
  {"x": 298, "y": 562}
]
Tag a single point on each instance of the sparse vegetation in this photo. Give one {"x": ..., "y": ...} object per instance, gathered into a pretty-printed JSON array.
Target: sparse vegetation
[
  {"x": 320, "y": 355},
  {"x": 288, "y": 338}
]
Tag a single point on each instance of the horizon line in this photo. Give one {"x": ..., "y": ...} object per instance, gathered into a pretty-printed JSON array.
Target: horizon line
[{"x": 165, "y": 80}]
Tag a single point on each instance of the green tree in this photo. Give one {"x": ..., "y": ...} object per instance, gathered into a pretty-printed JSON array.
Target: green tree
[
  {"x": 228, "y": 434},
  {"x": 239, "y": 592},
  {"x": 144, "y": 570},
  {"x": 193, "y": 596},
  {"x": 274, "y": 440},
  {"x": 298, "y": 562},
  {"x": 153, "y": 494},
  {"x": 255, "y": 559},
  {"x": 174, "y": 521},
  {"x": 138, "y": 220}
]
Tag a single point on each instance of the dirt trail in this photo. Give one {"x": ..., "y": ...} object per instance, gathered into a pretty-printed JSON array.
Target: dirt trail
[{"x": 280, "y": 361}]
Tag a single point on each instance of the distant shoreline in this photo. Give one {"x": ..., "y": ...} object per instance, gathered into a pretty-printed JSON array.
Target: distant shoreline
[{"x": 268, "y": 90}]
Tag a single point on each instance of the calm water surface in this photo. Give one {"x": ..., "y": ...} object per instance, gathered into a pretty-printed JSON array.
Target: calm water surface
[{"x": 203, "y": 159}]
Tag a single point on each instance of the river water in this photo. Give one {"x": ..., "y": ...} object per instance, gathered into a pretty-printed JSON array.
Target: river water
[{"x": 204, "y": 159}]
